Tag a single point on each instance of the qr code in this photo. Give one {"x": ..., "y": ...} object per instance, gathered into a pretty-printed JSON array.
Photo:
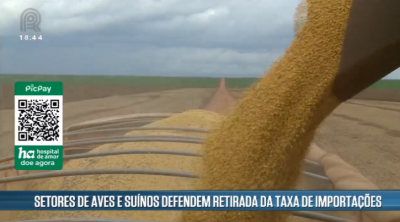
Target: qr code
[{"x": 38, "y": 120}]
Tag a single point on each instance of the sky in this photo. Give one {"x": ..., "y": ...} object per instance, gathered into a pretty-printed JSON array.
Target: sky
[{"x": 218, "y": 38}]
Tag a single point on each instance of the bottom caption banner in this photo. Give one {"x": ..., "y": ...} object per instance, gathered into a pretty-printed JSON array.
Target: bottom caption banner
[{"x": 202, "y": 200}]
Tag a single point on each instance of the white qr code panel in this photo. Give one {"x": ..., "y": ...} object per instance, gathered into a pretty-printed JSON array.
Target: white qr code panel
[{"x": 38, "y": 120}]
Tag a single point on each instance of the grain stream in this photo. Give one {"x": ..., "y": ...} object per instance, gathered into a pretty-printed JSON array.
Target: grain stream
[{"x": 261, "y": 144}]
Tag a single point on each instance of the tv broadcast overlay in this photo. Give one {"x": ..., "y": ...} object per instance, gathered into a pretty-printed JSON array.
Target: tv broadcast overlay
[
  {"x": 201, "y": 200},
  {"x": 38, "y": 126}
]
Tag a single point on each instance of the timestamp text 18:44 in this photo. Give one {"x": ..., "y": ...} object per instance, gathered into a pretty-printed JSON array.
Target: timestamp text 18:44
[{"x": 30, "y": 37}]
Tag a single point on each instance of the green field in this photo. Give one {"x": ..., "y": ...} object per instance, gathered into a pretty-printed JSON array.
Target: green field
[
  {"x": 246, "y": 82},
  {"x": 142, "y": 81},
  {"x": 387, "y": 84},
  {"x": 154, "y": 81}
]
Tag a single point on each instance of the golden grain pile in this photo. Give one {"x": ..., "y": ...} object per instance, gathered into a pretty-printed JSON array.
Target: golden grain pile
[
  {"x": 262, "y": 143},
  {"x": 195, "y": 118}
]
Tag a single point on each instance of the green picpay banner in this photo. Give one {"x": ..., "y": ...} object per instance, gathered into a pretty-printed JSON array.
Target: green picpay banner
[{"x": 39, "y": 125}]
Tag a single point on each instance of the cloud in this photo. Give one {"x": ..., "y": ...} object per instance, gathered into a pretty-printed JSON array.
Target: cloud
[
  {"x": 61, "y": 16},
  {"x": 148, "y": 37}
]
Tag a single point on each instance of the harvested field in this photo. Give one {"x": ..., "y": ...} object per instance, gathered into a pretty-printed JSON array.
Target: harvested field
[
  {"x": 74, "y": 93},
  {"x": 392, "y": 95},
  {"x": 362, "y": 128},
  {"x": 372, "y": 94},
  {"x": 366, "y": 135},
  {"x": 363, "y": 132}
]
